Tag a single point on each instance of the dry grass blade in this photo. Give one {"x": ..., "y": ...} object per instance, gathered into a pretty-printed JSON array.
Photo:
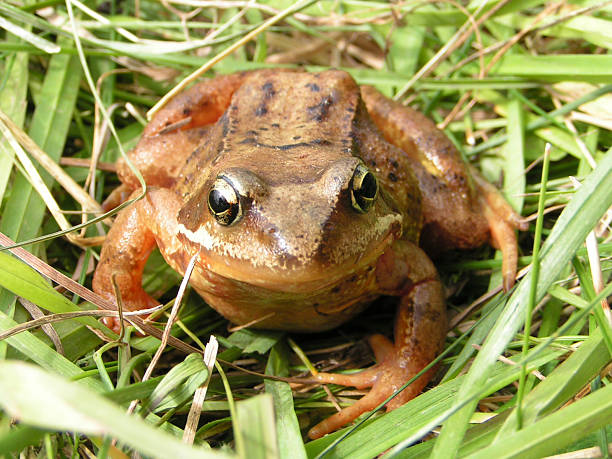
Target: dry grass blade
[
  {"x": 51, "y": 318},
  {"x": 100, "y": 18},
  {"x": 84, "y": 162},
  {"x": 168, "y": 328},
  {"x": 87, "y": 294},
  {"x": 587, "y": 453},
  {"x": 45, "y": 324},
  {"x": 59, "y": 174},
  {"x": 219, "y": 57},
  {"x": 34, "y": 176},
  {"x": 210, "y": 354},
  {"x": 596, "y": 273},
  {"x": 26, "y": 35},
  {"x": 459, "y": 38}
]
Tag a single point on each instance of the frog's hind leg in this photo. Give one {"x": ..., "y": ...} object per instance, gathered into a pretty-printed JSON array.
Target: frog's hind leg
[
  {"x": 420, "y": 330},
  {"x": 502, "y": 222},
  {"x": 460, "y": 209}
]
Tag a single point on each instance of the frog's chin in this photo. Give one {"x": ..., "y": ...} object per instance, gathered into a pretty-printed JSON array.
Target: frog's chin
[{"x": 298, "y": 278}]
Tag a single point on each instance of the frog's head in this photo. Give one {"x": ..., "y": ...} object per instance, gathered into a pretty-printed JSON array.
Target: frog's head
[
  {"x": 287, "y": 200},
  {"x": 292, "y": 230}
]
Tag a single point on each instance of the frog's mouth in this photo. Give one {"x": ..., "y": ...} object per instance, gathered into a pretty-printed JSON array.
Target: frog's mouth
[{"x": 285, "y": 273}]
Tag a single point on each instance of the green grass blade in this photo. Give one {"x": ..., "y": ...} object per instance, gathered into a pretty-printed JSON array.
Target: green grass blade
[
  {"x": 24, "y": 211},
  {"x": 562, "y": 384},
  {"x": 490, "y": 314},
  {"x": 35, "y": 398},
  {"x": 290, "y": 444},
  {"x": 179, "y": 383},
  {"x": 18, "y": 438},
  {"x": 13, "y": 102},
  {"x": 192, "y": 364},
  {"x": 254, "y": 340},
  {"x": 596, "y": 30},
  {"x": 514, "y": 156},
  {"x": 24, "y": 281},
  {"x": 39, "y": 352},
  {"x": 255, "y": 424},
  {"x": 555, "y": 431},
  {"x": 29, "y": 37},
  {"x": 594, "y": 68},
  {"x": 569, "y": 232}
]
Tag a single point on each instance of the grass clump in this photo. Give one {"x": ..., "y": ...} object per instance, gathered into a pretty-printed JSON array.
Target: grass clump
[{"x": 503, "y": 79}]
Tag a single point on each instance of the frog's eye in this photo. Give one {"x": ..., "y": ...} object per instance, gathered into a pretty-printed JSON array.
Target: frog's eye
[
  {"x": 364, "y": 189},
  {"x": 224, "y": 202}
]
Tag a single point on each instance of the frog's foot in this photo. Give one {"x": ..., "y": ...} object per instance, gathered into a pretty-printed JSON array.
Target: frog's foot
[
  {"x": 145, "y": 302},
  {"x": 503, "y": 222},
  {"x": 386, "y": 377}
]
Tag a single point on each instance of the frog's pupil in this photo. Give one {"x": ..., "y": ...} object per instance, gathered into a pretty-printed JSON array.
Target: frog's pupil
[
  {"x": 218, "y": 203},
  {"x": 364, "y": 189},
  {"x": 368, "y": 186}
]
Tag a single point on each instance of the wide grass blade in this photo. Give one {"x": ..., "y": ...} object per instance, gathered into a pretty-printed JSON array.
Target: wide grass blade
[
  {"x": 24, "y": 211},
  {"x": 255, "y": 424},
  {"x": 562, "y": 384},
  {"x": 584, "y": 210},
  {"x": 290, "y": 444},
  {"x": 555, "y": 431},
  {"x": 82, "y": 411},
  {"x": 25, "y": 282},
  {"x": 514, "y": 156},
  {"x": 567, "y": 67},
  {"x": 13, "y": 102},
  {"x": 29, "y": 37},
  {"x": 40, "y": 352}
]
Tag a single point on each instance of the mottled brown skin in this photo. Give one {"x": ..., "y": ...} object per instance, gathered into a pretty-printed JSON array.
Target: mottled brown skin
[{"x": 301, "y": 258}]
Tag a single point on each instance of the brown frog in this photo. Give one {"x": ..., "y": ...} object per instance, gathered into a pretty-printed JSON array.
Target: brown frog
[{"x": 305, "y": 197}]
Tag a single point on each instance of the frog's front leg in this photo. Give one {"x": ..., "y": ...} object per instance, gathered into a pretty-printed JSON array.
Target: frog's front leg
[
  {"x": 420, "y": 330},
  {"x": 128, "y": 245}
]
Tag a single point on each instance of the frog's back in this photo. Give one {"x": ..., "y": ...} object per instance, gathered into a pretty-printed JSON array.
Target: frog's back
[{"x": 302, "y": 121}]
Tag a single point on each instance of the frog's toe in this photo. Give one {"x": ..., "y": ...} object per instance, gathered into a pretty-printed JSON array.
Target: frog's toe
[
  {"x": 382, "y": 347},
  {"x": 503, "y": 237},
  {"x": 503, "y": 222},
  {"x": 367, "y": 403},
  {"x": 385, "y": 378},
  {"x": 113, "y": 323}
]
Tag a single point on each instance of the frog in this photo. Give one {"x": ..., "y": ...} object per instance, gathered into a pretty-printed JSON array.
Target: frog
[{"x": 303, "y": 197}]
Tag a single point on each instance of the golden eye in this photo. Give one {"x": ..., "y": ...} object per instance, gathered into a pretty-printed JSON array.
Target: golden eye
[
  {"x": 224, "y": 202},
  {"x": 364, "y": 189}
]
